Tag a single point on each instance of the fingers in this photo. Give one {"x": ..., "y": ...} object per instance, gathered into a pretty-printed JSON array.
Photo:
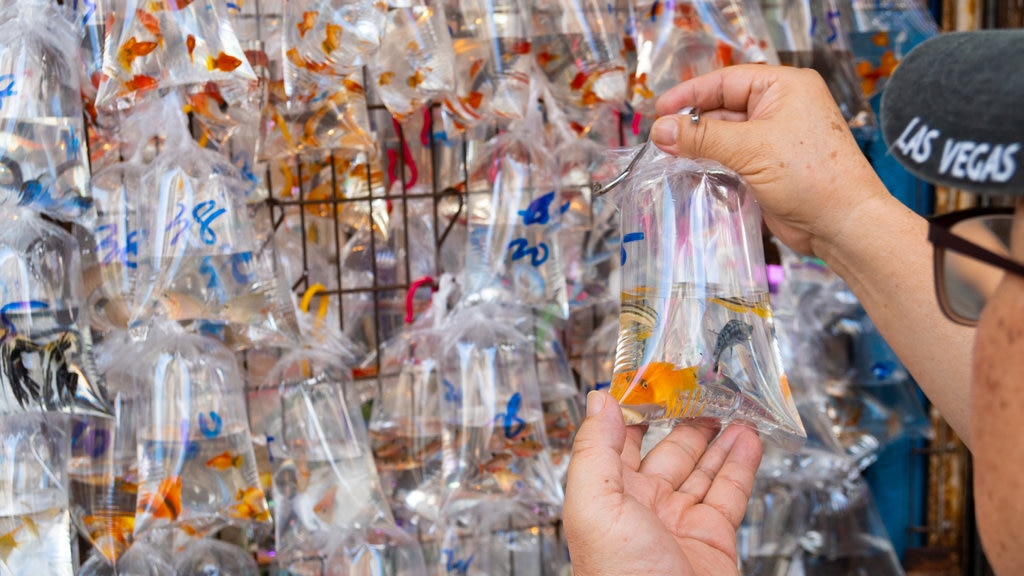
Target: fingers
[
  {"x": 734, "y": 480},
  {"x": 736, "y": 88},
  {"x": 634, "y": 444},
  {"x": 723, "y": 141},
  {"x": 675, "y": 456},
  {"x": 595, "y": 470}
]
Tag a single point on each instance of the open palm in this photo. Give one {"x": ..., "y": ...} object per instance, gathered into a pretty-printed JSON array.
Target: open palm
[{"x": 674, "y": 512}]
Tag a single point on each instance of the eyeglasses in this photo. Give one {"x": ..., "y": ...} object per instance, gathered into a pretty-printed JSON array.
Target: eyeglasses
[{"x": 971, "y": 258}]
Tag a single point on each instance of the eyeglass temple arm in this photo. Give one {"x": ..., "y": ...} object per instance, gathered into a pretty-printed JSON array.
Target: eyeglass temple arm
[{"x": 945, "y": 239}]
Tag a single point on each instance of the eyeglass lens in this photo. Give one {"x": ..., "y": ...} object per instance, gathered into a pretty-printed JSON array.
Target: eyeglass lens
[{"x": 969, "y": 282}]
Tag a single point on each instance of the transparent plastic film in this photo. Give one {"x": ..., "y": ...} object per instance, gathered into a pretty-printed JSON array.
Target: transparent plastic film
[
  {"x": 197, "y": 470},
  {"x": 416, "y": 61},
  {"x": 34, "y": 521},
  {"x": 881, "y": 34},
  {"x": 741, "y": 30},
  {"x": 326, "y": 488},
  {"x": 696, "y": 337},
  {"x": 673, "y": 43},
  {"x": 103, "y": 469},
  {"x": 169, "y": 44},
  {"x": 791, "y": 25},
  {"x": 577, "y": 45},
  {"x": 43, "y": 159},
  {"x": 203, "y": 261},
  {"x": 493, "y": 434},
  {"x": 492, "y": 46},
  {"x": 514, "y": 212},
  {"x": 330, "y": 38},
  {"x": 833, "y": 59},
  {"x": 46, "y": 361},
  {"x": 140, "y": 560}
]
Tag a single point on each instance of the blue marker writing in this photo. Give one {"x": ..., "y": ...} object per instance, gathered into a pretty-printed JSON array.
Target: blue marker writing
[
  {"x": 210, "y": 431},
  {"x": 631, "y": 237},
  {"x": 511, "y": 421}
]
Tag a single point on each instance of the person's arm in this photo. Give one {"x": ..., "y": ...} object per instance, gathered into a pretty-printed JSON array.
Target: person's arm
[{"x": 780, "y": 129}]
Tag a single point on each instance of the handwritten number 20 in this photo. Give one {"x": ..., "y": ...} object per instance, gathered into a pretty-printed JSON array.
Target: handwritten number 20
[{"x": 521, "y": 248}]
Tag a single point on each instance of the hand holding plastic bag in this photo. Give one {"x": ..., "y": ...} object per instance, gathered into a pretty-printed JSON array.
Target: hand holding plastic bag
[{"x": 696, "y": 337}]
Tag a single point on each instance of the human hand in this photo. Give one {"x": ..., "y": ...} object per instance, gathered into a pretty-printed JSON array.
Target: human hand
[
  {"x": 780, "y": 129},
  {"x": 674, "y": 514}
]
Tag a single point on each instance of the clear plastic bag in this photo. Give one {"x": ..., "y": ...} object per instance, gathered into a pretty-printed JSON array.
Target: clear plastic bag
[
  {"x": 140, "y": 560},
  {"x": 881, "y": 34},
  {"x": 791, "y": 25},
  {"x": 207, "y": 556},
  {"x": 672, "y": 45},
  {"x": 578, "y": 47},
  {"x": 416, "y": 61},
  {"x": 34, "y": 520},
  {"x": 43, "y": 158},
  {"x": 46, "y": 361},
  {"x": 326, "y": 489},
  {"x": 696, "y": 334},
  {"x": 330, "y": 38},
  {"x": 156, "y": 46},
  {"x": 493, "y": 433},
  {"x": 197, "y": 470},
  {"x": 493, "y": 60},
  {"x": 833, "y": 59},
  {"x": 741, "y": 30},
  {"x": 514, "y": 212}
]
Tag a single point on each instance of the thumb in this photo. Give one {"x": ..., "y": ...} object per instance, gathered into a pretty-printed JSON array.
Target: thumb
[
  {"x": 723, "y": 141},
  {"x": 595, "y": 468}
]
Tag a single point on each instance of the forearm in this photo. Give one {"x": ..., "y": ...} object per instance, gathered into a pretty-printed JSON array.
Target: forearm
[{"x": 883, "y": 254}]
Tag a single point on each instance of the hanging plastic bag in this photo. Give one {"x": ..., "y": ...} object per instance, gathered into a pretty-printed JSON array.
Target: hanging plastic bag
[
  {"x": 416, "y": 61},
  {"x": 740, "y": 28},
  {"x": 578, "y": 47},
  {"x": 492, "y": 48},
  {"x": 559, "y": 398},
  {"x": 881, "y": 34},
  {"x": 834, "y": 61},
  {"x": 791, "y": 26},
  {"x": 46, "y": 361},
  {"x": 202, "y": 258},
  {"x": 512, "y": 229},
  {"x": 196, "y": 465},
  {"x": 43, "y": 161},
  {"x": 35, "y": 526},
  {"x": 326, "y": 489},
  {"x": 156, "y": 46},
  {"x": 598, "y": 360},
  {"x": 207, "y": 556},
  {"x": 103, "y": 469},
  {"x": 140, "y": 560},
  {"x": 696, "y": 336},
  {"x": 328, "y": 38},
  {"x": 673, "y": 44}
]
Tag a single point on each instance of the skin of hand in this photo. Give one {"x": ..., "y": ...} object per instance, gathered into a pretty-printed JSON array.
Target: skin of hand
[
  {"x": 780, "y": 129},
  {"x": 675, "y": 513},
  {"x": 996, "y": 406}
]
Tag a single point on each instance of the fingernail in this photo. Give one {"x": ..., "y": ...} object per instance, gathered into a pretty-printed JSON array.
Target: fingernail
[
  {"x": 595, "y": 402},
  {"x": 665, "y": 131}
]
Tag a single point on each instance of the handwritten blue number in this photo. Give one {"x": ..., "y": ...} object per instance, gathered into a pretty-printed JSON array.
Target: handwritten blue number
[
  {"x": 210, "y": 431},
  {"x": 206, "y": 268},
  {"x": 631, "y": 237},
  {"x": 453, "y": 566},
  {"x": 241, "y": 265},
  {"x": 8, "y": 90},
  {"x": 522, "y": 248},
  {"x": 93, "y": 442},
  {"x": 538, "y": 212},
  {"x": 180, "y": 222},
  {"x": 205, "y": 213},
  {"x": 451, "y": 393},
  {"x": 513, "y": 424}
]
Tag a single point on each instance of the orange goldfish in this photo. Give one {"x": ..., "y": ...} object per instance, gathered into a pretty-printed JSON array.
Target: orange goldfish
[
  {"x": 545, "y": 58},
  {"x": 473, "y": 100},
  {"x": 140, "y": 83},
  {"x": 475, "y": 67},
  {"x": 350, "y": 85},
  {"x": 412, "y": 46},
  {"x": 324, "y": 508},
  {"x": 880, "y": 39},
  {"x": 165, "y": 503},
  {"x": 190, "y": 43},
  {"x": 871, "y": 75},
  {"x": 223, "y": 62},
  {"x": 416, "y": 79},
  {"x": 590, "y": 98},
  {"x": 641, "y": 88},
  {"x": 295, "y": 58},
  {"x": 333, "y": 39},
  {"x": 385, "y": 78},
  {"x": 579, "y": 80},
  {"x": 133, "y": 49},
  {"x": 745, "y": 307},
  {"x": 526, "y": 448},
  {"x": 224, "y": 461},
  {"x": 308, "y": 21},
  {"x": 656, "y": 9},
  {"x": 251, "y": 505},
  {"x": 520, "y": 47},
  {"x": 686, "y": 17},
  {"x": 179, "y": 4},
  {"x": 497, "y": 463},
  {"x": 660, "y": 384},
  {"x": 150, "y": 22},
  {"x": 8, "y": 544}
]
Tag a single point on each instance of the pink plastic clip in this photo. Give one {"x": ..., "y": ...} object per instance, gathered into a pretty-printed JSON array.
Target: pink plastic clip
[{"x": 409, "y": 316}]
